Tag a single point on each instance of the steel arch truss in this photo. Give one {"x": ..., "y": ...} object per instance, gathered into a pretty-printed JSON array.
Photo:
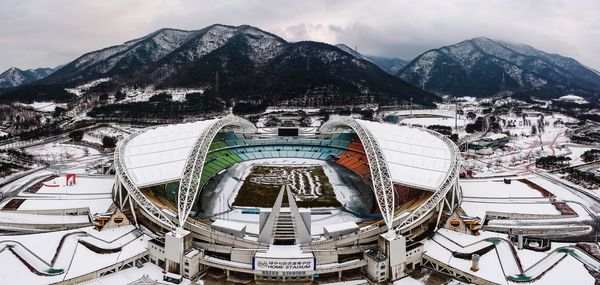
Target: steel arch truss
[
  {"x": 132, "y": 189},
  {"x": 190, "y": 178},
  {"x": 439, "y": 197},
  {"x": 380, "y": 174}
]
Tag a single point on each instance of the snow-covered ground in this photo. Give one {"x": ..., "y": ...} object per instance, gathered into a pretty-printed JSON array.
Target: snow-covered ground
[
  {"x": 272, "y": 109},
  {"x": 575, "y": 151},
  {"x": 81, "y": 89},
  {"x": 60, "y": 152},
  {"x": 46, "y": 106},
  {"x": 21, "y": 182},
  {"x": 480, "y": 196},
  {"x": 96, "y": 135},
  {"x": 11, "y": 217},
  {"x": 74, "y": 259},
  {"x": 127, "y": 276},
  {"x": 478, "y": 209},
  {"x": 144, "y": 94},
  {"x": 92, "y": 192},
  {"x": 430, "y": 121},
  {"x": 500, "y": 262},
  {"x": 221, "y": 199},
  {"x": 496, "y": 188},
  {"x": 84, "y": 185},
  {"x": 524, "y": 148}
]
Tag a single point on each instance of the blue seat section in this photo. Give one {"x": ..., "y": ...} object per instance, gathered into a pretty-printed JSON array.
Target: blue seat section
[
  {"x": 284, "y": 151},
  {"x": 230, "y": 148}
]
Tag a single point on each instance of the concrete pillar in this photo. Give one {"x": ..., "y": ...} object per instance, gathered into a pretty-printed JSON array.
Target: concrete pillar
[
  {"x": 475, "y": 262},
  {"x": 340, "y": 275},
  {"x": 520, "y": 241}
]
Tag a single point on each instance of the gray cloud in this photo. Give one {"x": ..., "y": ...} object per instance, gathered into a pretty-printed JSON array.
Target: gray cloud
[{"x": 36, "y": 33}]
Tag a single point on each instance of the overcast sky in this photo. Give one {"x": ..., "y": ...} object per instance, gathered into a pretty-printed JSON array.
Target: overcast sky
[{"x": 46, "y": 33}]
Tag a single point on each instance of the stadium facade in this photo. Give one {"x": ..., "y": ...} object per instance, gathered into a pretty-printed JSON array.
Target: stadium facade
[{"x": 412, "y": 172}]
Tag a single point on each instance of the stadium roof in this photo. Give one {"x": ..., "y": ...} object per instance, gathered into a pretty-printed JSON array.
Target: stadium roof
[
  {"x": 158, "y": 155},
  {"x": 415, "y": 157}
]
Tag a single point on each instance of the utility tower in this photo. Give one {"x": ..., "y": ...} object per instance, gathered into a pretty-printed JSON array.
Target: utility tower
[{"x": 217, "y": 83}]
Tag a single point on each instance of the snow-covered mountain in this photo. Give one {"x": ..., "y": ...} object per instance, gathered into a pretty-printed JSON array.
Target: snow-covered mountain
[
  {"x": 352, "y": 52},
  {"x": 165, "y": 50},
  {"x": 251, "y": 65},
  {"x": 14, "y": 77},
  {"x": 485, "y": 67},
  {"x": 390, "y": 65}
]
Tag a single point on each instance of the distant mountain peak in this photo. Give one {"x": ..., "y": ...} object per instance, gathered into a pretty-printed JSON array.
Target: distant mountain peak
[
  {"x": 250, "y": 63},
  {"x": 352, "y": 52},
  {"x": 390, "y": 65},
  {"x": 14, "y": 76},
  {"x": 484, "y": 67}
]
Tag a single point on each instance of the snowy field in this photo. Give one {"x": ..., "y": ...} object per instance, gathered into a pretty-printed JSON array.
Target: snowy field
[
  {"x": 308, "y": 183},
  {"x": 495, "y": 264},
  {"x": 84, "y": 185},
  {"x": 92, "y": 192},
  {"x": 130, "y": 275},
  {"x": 478, "y": 209},
  {"x": 144, "y": 94},
  {"x": 494, "y": 195},
  {"x": 46, "y": 106},
  {"x": 81, "y": 89},
  {"x": 74, "y": 259},
  {"x": 524, "y": 148},
  {"x": 96, "y": 135},
  {"x": 496, "y": 188},
  {"x": 346, "y": 188},
  {"x": 60, "y": 152},
  {"x": 217, "y": 203},
  {"x": 251, "y": 221},
  {"x": 430, "y": 121},
  {"x": 575, "y": 151}
]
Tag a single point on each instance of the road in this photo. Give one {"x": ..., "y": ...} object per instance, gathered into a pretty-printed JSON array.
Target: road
[{"x": 592, "y": 200}]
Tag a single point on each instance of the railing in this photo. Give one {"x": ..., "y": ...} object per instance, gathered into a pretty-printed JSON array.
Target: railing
[
  {"x": 380, "y": 175},
  {"x": 132, "y": 189},
  {"x": 190, "y": 178},
  {"x": 439, "y": 195}
]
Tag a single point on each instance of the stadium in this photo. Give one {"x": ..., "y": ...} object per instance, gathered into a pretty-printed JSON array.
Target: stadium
[{"x": 287, "y": 203}]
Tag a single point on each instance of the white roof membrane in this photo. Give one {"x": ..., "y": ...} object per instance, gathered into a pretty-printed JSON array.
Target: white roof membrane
[
  {"x": 415, "y": 157},
  {"x": 158, "y": 155}
]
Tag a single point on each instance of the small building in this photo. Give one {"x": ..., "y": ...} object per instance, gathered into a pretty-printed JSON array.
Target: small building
[
  {"x": 571, "y": 98},
  {"x": 493, "y": 142},
  {"x": 377, "y": 268},
  {"x": 337, "y": 230},
  {"x": 232, "y": 228}
]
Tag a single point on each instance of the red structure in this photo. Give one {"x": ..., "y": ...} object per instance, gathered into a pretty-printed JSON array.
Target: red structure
[{"x": 71, "y": 179}]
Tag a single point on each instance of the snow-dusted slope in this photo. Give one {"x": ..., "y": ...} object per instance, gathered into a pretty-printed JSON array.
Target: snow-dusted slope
[
  {"x": 16, "y": 77},
  {"x": 163, "y": 52},
  {"x": 390, "y": 65},
  {"x": 352, "y": 52},
  {"x": 249, "y": 62},
  {"x": 483, "y": 67}
]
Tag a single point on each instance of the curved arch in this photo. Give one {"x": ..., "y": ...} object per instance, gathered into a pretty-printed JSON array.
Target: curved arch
[
  {"x": 190, "y": 178},
  {"x": 380, "y": 174},
  {"x": 123, "y": 178},
  {"x": 438, "y": 196}
]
